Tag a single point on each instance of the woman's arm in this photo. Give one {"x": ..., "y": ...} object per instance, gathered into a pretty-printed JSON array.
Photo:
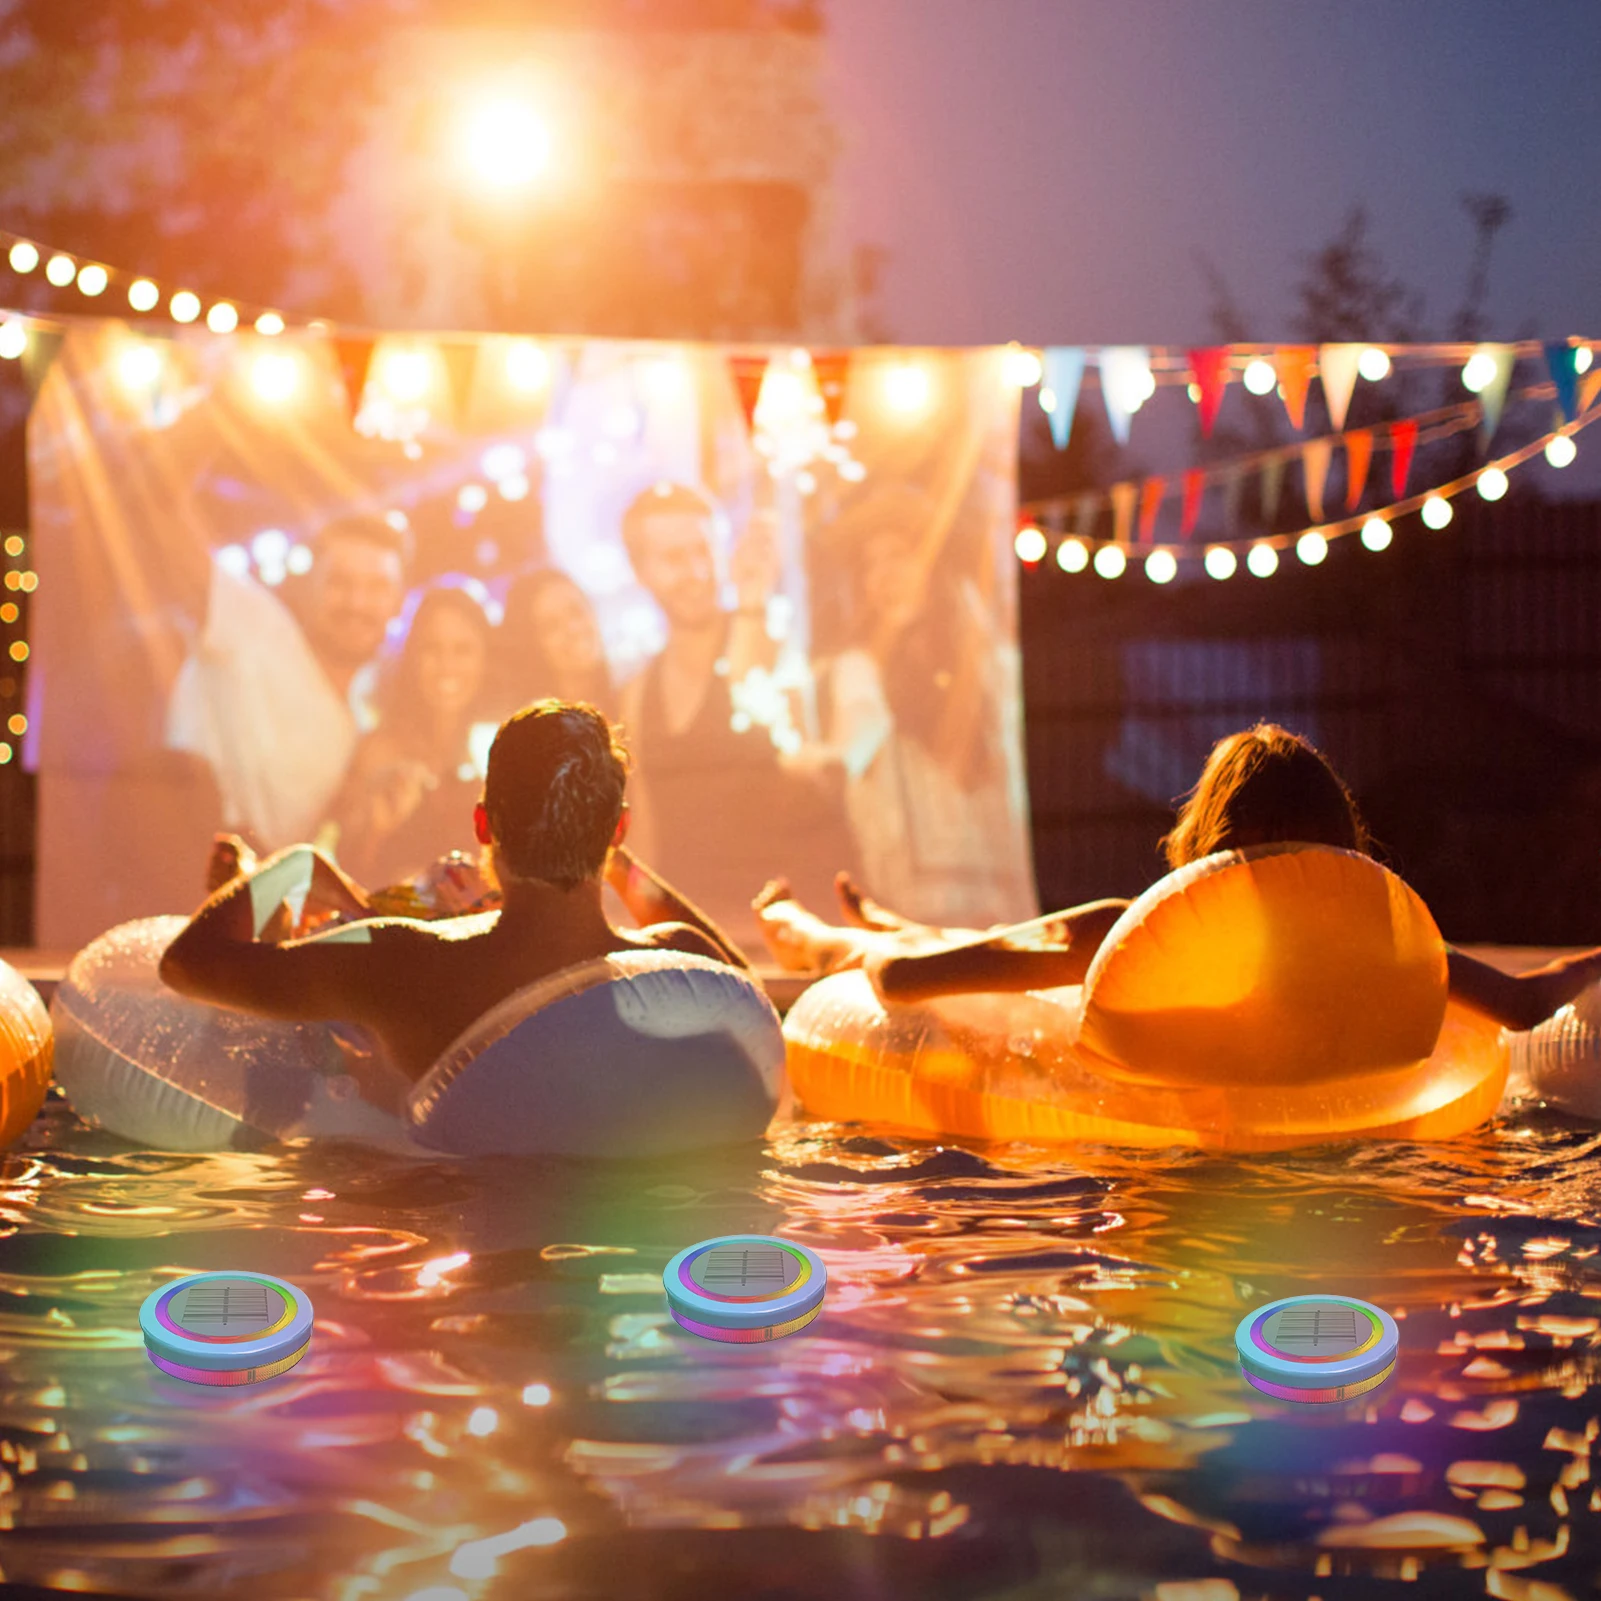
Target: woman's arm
[
  {"x": 1521, "y": 1000},
  {"x": 1047, "y": 953},
  {"x": 650, "y": 899}
]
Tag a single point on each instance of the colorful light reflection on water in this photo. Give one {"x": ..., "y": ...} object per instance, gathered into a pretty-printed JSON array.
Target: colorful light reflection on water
[{"x": 1022, "y": 1384}]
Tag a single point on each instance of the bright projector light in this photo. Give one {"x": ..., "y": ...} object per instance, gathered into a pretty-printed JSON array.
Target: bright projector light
[{"x": 505, "y": 144}]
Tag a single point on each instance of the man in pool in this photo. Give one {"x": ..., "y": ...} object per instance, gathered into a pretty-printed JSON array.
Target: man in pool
[{"x": 551, "y": 818}]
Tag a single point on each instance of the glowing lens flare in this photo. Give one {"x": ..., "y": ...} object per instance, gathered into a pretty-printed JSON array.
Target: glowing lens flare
[
  {"x": 505, "y": 144},
  {"x": 908, "y": 388},
  {"x": 275, "y": 376}
]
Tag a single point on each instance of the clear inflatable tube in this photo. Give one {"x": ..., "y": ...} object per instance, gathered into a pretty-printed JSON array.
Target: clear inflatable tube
[
  {"x": 641, "y": 1053},
  {"x": 26, "y": 1051},
  {"x": 1559, "y": 1062},
  {"x": 1190, "y": 980}
]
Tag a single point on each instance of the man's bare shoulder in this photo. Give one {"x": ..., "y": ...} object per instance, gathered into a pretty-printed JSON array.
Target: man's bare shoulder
[{"x": 679, "y": 937}]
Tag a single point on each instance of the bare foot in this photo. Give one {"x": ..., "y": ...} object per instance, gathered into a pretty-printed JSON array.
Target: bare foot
[
  {"x": 862, "y": 911},
  {"x": 801, "y": 942},
  {"x": 773, "y": 891},
  {"x": 230, "y": 857}
]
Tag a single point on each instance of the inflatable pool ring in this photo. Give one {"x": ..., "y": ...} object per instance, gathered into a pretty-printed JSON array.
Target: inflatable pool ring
[
  {"x": 640, "y": 1053},
  {"x": 1254, "y": 1000},
  {"x": 1559, "y": 1062},
  {"x": 26, "y": 1048}
]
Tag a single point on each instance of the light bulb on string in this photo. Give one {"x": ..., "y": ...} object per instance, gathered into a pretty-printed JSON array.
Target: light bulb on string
[
  {"x": 1110, "y": 561},
  {"x": 184, "y": 306},
  {"x": 1260, "y": 377},
  {"x": 1561, "y": 451},
  {"x": 1262, "y": 561},
  {"x": 1221, "y": 562},
  {"x": 1479, "y": 372},
  {"x": 1377, "y": 534},
  {"x": 222, "y": 318},
  {"x": 1436, "y": 512},
  {"x": 1161, "y": 567},
  {"x": 13, "y": 339},
  {"x": 143, "y": 295},
  {"x": 1030, "y": 544},
  {"x": 1047, "y": 398},
  {"x": 1373, "y": 364},
  {"x": 24, "y": 257},
  {"x": 1492, "y": 483},
  {"x": 1024, "y": 368},
  {"x": 61, "y": 270},
  {"x": 1071, "y": 556},
  {"x": 93, "y": 279},
  {"x": 269, "y": 324},
  {"x": 1582, "y": 357},
  {"x": 1312, "y": 547}
]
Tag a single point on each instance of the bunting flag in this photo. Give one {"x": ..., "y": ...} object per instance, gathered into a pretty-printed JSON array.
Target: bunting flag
[
  {"x": 1589, "y": 386},
  {"x": 1063, "y": 376},
  {"x": 461, "y": 364},
  {"x": 1210, "y": 368},
  {"x": 40, "y": 356},
  {"x": 1561, "y": 362},
  {"x": 1272, "y": 484},
  {"x": 1084, "y": 514},
  {"x": 1358, "y": 458},
  {"x": 748, "y": 372},
  {"x": 1315, "y": 457},
  {"x": 1125, "y": 375},
  {"x": 1337, "y": 363},
  {"x": 1295, "y": 365},
  {"x": 832, "y": 370},
  {"x": 1492, "y": 397},
  {"x": 1194, "y": 488},
  {"x": 1403, "y": 441},
  {"x": 1151, "y": 492},
  {"x": 1123, "y": 496},
  {"x": 1233, "y": 488},
  {"x": 355, "y": 358}
]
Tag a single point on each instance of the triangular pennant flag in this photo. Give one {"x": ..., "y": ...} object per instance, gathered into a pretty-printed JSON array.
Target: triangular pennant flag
[
  {"x": 1125, "y": 380},
  {"x": 1403, "y": 441},
  {"x": 832, "y": 369},
  {"x": 355, "y": 358},
  {"x": 1084, "y": 514},
  {"x": 1338, "y": 366},
  {"x": 1151, "y": 492},
  {"x": 1063, "y": 376},
  {"x": 1272, "y": 483},
  {"x": 748, "y": 372},
  {"x": 44, "y": 346},
  {"x": 1123, "y": 497},
  {"x": 1295, "y": 365},
  {"x": 1492, "y": 397},
  {"x": 1194, "y": 488},
  {"x": 1315, "y": 457},
  {"x": 1358, "y": 457},
  {"x": 1211, "y": 370},
  {"x": 1233, "y": 486},
  {"x": 1561, "y": 362},
  {"x": 1589, "y": 386},
  {"x": 461, "y": 364}
]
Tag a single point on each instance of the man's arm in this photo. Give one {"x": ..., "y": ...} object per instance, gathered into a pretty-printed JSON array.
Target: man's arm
[
  {"x": 651, "y": 900},
  {"x": 1521, "y": 1000}
]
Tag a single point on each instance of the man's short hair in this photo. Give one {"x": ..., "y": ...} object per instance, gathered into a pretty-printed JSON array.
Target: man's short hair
[
  {"x": 367, "y": 530},
  {"x": 662, "y": 500},
  {"x": 554, "y": 792}
]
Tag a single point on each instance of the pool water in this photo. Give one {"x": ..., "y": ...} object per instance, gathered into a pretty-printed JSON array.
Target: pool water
[{"x": 1022, "y": 1384}]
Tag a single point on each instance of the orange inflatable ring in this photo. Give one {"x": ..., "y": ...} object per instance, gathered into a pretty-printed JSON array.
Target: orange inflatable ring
[
  {"x": 1256, "y": 1000},
  {"x": 26, "y": 1050}
]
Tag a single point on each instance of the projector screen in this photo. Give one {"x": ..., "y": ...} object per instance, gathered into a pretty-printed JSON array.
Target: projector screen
[{"x": 259, "y": 612}]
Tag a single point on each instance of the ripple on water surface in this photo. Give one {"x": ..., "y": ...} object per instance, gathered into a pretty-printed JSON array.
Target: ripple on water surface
[{"x": 1022, "y": 1384}]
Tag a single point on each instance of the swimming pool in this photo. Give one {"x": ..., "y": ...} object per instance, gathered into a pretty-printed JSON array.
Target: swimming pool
[{"x": 1022, "y": 1385}]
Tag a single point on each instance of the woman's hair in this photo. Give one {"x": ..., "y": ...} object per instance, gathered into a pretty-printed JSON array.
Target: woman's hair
[
  {"x": 398, "y": 698},
  {"x": 526, "y": 668},
  {"x": 1264, "y": 786},
  {"x": 554, "y": 792}
]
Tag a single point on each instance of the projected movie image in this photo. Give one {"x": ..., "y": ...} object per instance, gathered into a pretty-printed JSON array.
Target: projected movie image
[{"x": 268, "y": 609}]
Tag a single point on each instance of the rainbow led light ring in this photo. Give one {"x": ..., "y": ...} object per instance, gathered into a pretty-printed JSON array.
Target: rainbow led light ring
[
  {"x": 1345, "y": 1356},
  {"x": 1338, "y": 1375},
  {"x": 1286, "y": 1392},
  {"x": 225, "y": 1376},
  {"x": 777, "y": 1331},
  {"x": 687, "y": 1280},
  {"x": 165, "y": 1320}
]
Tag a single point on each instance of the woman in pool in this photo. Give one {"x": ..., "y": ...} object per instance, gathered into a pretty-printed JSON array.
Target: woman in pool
[
  {"x": 1262, "y": 786},
  {"x": 549, "y": 644},
  {"x": 412, "y": 780}
]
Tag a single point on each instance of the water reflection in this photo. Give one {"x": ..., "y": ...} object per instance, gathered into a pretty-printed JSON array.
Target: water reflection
[{"x": 1022, "y": 1383}]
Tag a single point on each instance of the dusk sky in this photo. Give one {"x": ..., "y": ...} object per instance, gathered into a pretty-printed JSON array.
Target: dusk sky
[{"x": 1045, "y": 170}]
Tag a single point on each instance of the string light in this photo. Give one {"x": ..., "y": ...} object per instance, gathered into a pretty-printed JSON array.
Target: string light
[
  {"x": 269, "y": 324},
  {"x": 1260, "y": 376},
  {"x": 1377, "y": 534},
  {"x": 1024, "y": 368},
  {"x": 24, "y": 257},
  {"x": 1030, "y": 544},
  {"x": 223, "y": 318},
  {"x": 143, "y": 295},
  {"x": 1071, "y": 556},
  {"x": 92, "y": 280},
  {"x": 1312, "y": 547},
  {"x": 1110, "y": 561},
  {"x": 1161, "y": 566},
  {"x": 61, "y": 270},
  {"x": 1479, "y": 372},
  {"x": 13, "y": 339},
  {"x": 185, "y": 306},
  {"x": 1436, "y": 512},
  {"x": 1373, "y": 364},
  {"x": 1262, "y": 561},
  {"x": 1492, "y": 484},
  {"x": 1560, "y": 452},
  {"x": 1582, "y": 357},
  {"x": 1220, "y": 562}
]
